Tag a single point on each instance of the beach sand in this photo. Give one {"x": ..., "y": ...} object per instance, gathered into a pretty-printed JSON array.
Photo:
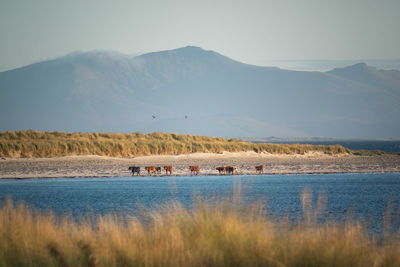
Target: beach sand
[{"x": 97, "y": 166}]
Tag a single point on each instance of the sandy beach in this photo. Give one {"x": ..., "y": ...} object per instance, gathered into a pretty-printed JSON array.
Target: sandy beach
[{"x": 97, "y": 166}]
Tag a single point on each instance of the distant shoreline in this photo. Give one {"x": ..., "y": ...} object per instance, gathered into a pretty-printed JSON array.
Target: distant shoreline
[
  {"x": 355, "y": 145},
  {"x": 100, "y": 166}
]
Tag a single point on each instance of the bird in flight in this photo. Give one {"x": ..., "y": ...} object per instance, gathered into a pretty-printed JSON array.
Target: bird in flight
[{"x": 153, "y": 116}]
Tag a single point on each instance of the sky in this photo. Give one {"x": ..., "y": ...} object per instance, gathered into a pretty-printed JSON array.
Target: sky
[{"x": 254, "y": 32}]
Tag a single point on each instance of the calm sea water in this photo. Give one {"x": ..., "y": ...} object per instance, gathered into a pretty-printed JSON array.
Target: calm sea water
[{"x": 364, "y": 196}]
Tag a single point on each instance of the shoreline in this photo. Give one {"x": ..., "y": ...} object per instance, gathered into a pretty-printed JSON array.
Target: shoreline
[
  {"x": 274, "y": 164},
  {"x": 182, "y": 175}
]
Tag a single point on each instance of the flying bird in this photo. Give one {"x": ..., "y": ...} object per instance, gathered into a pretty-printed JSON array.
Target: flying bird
[{"x": 153, "y": 116}]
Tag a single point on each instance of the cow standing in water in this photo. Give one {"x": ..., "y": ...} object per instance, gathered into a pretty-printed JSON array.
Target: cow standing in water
[
  {"x": 194, "y": 169},
  {"x": 134, "y": 170},
  {"x": 260, "y": 169},
  {"x": 168, "y": 169}
]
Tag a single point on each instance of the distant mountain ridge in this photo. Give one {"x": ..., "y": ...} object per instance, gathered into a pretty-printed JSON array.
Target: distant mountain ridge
[{"x": 191, "y": 90}]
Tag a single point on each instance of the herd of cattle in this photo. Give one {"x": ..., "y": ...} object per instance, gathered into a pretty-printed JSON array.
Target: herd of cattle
[{"x": 194, "y": 170}]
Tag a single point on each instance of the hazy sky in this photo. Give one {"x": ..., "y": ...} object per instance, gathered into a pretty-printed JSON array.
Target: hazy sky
[{"x": 255, "y": 32}]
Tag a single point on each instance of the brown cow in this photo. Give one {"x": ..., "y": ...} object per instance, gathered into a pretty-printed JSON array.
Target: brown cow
[
  {"x": 168, "y": 169},
  {"x": 226, "y": 169},
  {"x": 150, "y": 170},
  {"x": 194, "y": 169},
  {"x": 221, "y": 169},
  {"x": 260, "y": 169}
]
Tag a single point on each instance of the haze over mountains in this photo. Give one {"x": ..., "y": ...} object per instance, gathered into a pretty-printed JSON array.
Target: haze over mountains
[{"x": 190, "y": 90}]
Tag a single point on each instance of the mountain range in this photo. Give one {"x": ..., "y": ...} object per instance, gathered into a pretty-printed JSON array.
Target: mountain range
[{"x": 191, "y": 90}]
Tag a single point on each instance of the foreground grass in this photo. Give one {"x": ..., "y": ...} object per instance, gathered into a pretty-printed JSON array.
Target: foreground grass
[
  {"x": 52, "y": 144},
  {"x": 222, "y": 234}
]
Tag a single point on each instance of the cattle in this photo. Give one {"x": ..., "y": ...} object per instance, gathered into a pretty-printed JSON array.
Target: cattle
[
  {"x": 221, "y": 169},
  {"x": 158, "y": 170},
  {"x": 259, "y": 169},
  {"x": 194, "y": 169},
  {"x": 226, "y": 169},
  {"x": 229, "y": 170},
  {"x": 134, "y": 170},
  {"x": 168, "y": 169},
  {"x": 150, "y": 170}
]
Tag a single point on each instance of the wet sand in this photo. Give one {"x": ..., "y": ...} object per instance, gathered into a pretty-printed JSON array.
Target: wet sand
[{"x": 97, "y": 166}]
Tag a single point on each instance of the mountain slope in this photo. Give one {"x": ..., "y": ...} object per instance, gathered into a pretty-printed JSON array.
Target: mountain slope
[{"x": 104, "y": 91}]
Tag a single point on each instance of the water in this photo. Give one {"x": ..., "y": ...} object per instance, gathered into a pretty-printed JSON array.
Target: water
[
  {"x": 365, "y": 196},
  {"x": 386, "y": 146}
]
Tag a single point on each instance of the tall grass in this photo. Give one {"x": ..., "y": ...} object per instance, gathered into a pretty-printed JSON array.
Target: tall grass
[
  {"x": 225, "y": 233},
  {"x": 51, "y": 144}
]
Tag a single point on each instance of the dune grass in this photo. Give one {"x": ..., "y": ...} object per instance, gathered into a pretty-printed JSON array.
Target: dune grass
[
  {"x": 370, "y": 152},
  {"x": 224, "y": 233},
  {"x": 52, "y": 144}
]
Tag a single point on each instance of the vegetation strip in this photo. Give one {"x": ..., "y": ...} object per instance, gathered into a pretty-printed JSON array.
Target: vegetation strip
[
  {"x": 218, "y": 233},
  {"x": 38, "y": 144}
]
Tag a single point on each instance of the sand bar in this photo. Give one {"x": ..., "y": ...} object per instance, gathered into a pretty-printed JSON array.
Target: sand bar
[{"x": 97, "y": 166}]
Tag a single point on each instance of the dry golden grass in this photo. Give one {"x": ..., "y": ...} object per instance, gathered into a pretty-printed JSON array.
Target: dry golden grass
[
  {"x": 52, "y": 144},
  {"x": 224, "y": 233}
]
